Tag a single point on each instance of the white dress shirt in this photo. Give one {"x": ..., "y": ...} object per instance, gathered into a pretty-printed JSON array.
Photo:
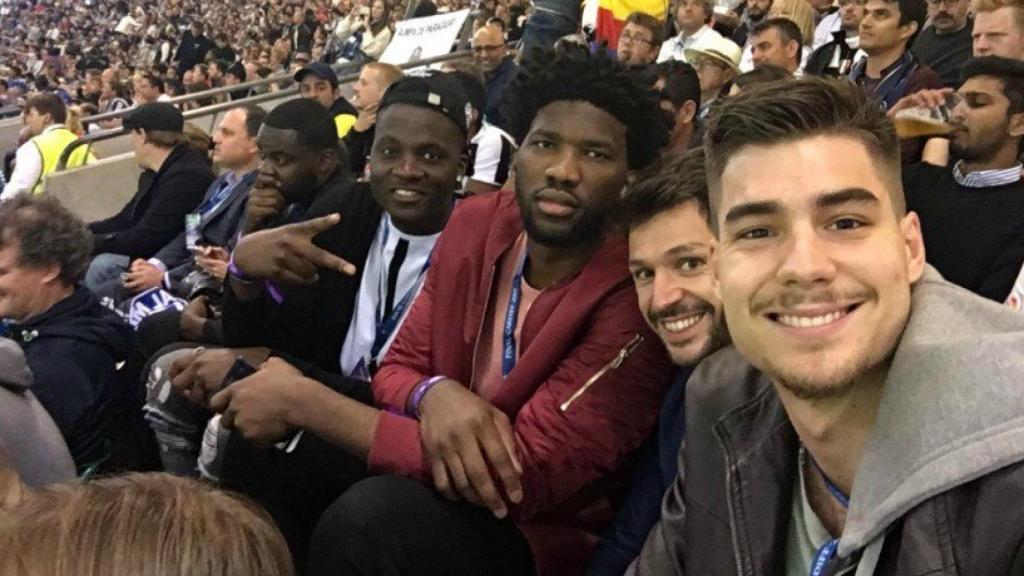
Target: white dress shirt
[
  {"x": 675, "y": 48},
  {"x": 28, "y": 163}
]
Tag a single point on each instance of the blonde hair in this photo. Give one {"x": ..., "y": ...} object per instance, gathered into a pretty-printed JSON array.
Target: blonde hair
[
  {"x": 73, "y": 120},
  {"x": 978, "y": 6},
  {"x": 152, "y": 524},
  {"x": 800, "y": 12},
  {"x": 389, "y": 73},
  {"x": 11, "y": 487}
]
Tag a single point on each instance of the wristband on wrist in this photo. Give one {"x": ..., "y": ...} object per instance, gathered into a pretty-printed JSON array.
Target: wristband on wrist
[
  {"x": 419, "y": 392},
  {"x": 236, "y": 273}
]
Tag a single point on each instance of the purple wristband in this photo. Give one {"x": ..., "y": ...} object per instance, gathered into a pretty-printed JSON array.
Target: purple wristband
[
  {"x": 417, "y": 395},
  {"x": 234, "y": 271}
]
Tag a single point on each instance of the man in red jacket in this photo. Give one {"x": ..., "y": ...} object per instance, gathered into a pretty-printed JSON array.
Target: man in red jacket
[{"x": 524, "y": 375}]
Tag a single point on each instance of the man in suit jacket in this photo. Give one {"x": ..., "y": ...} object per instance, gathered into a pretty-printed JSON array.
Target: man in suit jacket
[{"x": 171, "y": 185}]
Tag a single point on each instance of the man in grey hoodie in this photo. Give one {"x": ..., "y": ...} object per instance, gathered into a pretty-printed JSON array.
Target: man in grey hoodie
[{"x": 869, "y": 419}]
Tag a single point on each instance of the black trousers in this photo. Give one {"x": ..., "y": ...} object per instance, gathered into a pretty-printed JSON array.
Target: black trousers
[
  {"x": 295, "y": 488},
  {"x": 391, "y": 526}
]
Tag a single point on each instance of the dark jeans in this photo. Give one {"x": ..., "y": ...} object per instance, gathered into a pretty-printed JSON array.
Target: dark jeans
[{"x": 391, "y": 526}]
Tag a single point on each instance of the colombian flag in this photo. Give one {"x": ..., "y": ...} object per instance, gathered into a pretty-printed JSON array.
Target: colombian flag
[{"x": 612, "y": 14}]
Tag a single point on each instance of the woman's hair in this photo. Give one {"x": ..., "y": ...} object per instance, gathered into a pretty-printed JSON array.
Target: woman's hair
[
  {"x": 73, "y": 120},
  {"x": 12, "y": 489},
  {"x": 152, "y": 524},
  {"x": 800, "y": 13}
]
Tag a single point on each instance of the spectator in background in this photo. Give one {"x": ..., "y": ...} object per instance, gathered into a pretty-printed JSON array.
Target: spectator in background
[
  {"x": 890, "y": 70},
  {"x": 760, "y": 75},
  {"x": 299, "y": 34},
  {"x": 998, "y": 28},
  {"x": 946, "y": 45},
  {"x": 756, "y": 11},
  {"x": 717, "y": 63},
  {"x": 549, "y": 21},
  {"x": 192, "y": 48},
  {"x": 44, "y": 118},
  {"x": 491, "y": 149},
  {"x": 318, "y": 82},
  {"x": 800, "y": 13},
  {"x": 149, "y": 88},
  {"x": 835, "y": 57},
  {"x": 374, "y": 79},
  {"x": 28, "y": 435},
  {"x": 222, "y": 50},
  {"x": 678, "y": 86},
  {"x": 108, "y": 526},
  {"x": 640, "y": 40},
  {"x": 172, "y": 184},
  {"x": 777, "y": 41},
  {"x": 376, "y": 34},
  {"x": 498, "y": 66},
  {"x": 693, "y": 19},
  {"x": 71, "y": 342},
  {"x": 972, "y": 214},
  {"x": 234, "y": 76},
  {"x": 112, "y": 99}
]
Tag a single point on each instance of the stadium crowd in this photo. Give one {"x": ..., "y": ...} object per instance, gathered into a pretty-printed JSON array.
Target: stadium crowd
[{"x": 737, "y": 294}]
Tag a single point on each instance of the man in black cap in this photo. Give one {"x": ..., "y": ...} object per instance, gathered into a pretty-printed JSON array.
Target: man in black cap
[
  {"x": 318, "y": 82},
  {"x": 173, "y": 180},
  {"x": 419, "y": 154}
]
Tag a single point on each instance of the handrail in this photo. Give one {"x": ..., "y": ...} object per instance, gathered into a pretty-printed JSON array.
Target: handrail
[
  {"x": 283, "y": 77},
  {"x": 109, "y": 133}
]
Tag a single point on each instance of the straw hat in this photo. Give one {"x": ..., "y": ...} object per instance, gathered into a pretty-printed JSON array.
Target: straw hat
[{"x": 721, "y": 49}]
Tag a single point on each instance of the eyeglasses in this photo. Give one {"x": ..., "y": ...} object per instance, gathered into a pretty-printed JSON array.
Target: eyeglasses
[
  {"x": 481, "y": 48},
  {"x": 704, "y": 63},
  {"x": 633, "y": 38}
]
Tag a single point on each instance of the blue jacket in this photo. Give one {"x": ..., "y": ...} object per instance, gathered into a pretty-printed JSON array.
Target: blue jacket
[
  {"x": 73, "y": 349},
  {"x": 641, "y": 508}
]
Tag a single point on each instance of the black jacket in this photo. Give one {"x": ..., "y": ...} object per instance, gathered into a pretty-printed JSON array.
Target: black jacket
[
  {"x": 191, "y": 51},
  {"x": 156, "y": 214},
  {"x": 72, "y": 350},
  {"x": 834, "y": 59},
  {"x": 358, "y": 145},
  {"x": 311, "y": 323}
]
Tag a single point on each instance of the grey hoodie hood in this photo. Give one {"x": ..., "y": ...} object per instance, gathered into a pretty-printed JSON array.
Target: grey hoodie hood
[
  {"x": 14, "y": 372},
  {"x": 952, "y": 410}
]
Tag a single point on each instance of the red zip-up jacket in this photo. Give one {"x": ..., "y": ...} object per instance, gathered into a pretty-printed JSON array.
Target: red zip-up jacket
[{"x": 583, "y": 395}]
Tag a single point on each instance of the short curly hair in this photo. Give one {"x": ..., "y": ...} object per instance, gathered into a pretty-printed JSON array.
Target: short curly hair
[
  {"x": 46, "y": 233},
  {"x": 546, "y": 77}
]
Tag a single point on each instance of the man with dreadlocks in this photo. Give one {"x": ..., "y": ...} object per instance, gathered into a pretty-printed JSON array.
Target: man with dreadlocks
[{"x": 524, "y": 375}]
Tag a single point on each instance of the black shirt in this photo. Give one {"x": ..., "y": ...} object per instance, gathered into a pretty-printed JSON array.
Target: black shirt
[
  {"x": 945, "y": 53},
  {"x": 973, "y": 236}
]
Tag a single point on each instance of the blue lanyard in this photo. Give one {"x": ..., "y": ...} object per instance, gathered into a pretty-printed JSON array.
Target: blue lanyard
[
  {"x": 210, "y": 203},
  {"x": 387, "y": 326},
  {"x": 828, "y": 550},
  {"x": 508, "y": 360}
]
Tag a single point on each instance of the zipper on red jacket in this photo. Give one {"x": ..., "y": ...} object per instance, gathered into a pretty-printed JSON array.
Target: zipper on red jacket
[
  {"x": 617, "y": 361},
  {"x": 480, "y": 328}
]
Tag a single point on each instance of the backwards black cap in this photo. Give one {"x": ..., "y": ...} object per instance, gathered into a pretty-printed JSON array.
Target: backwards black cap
[{"x": 438, "y": 92}]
